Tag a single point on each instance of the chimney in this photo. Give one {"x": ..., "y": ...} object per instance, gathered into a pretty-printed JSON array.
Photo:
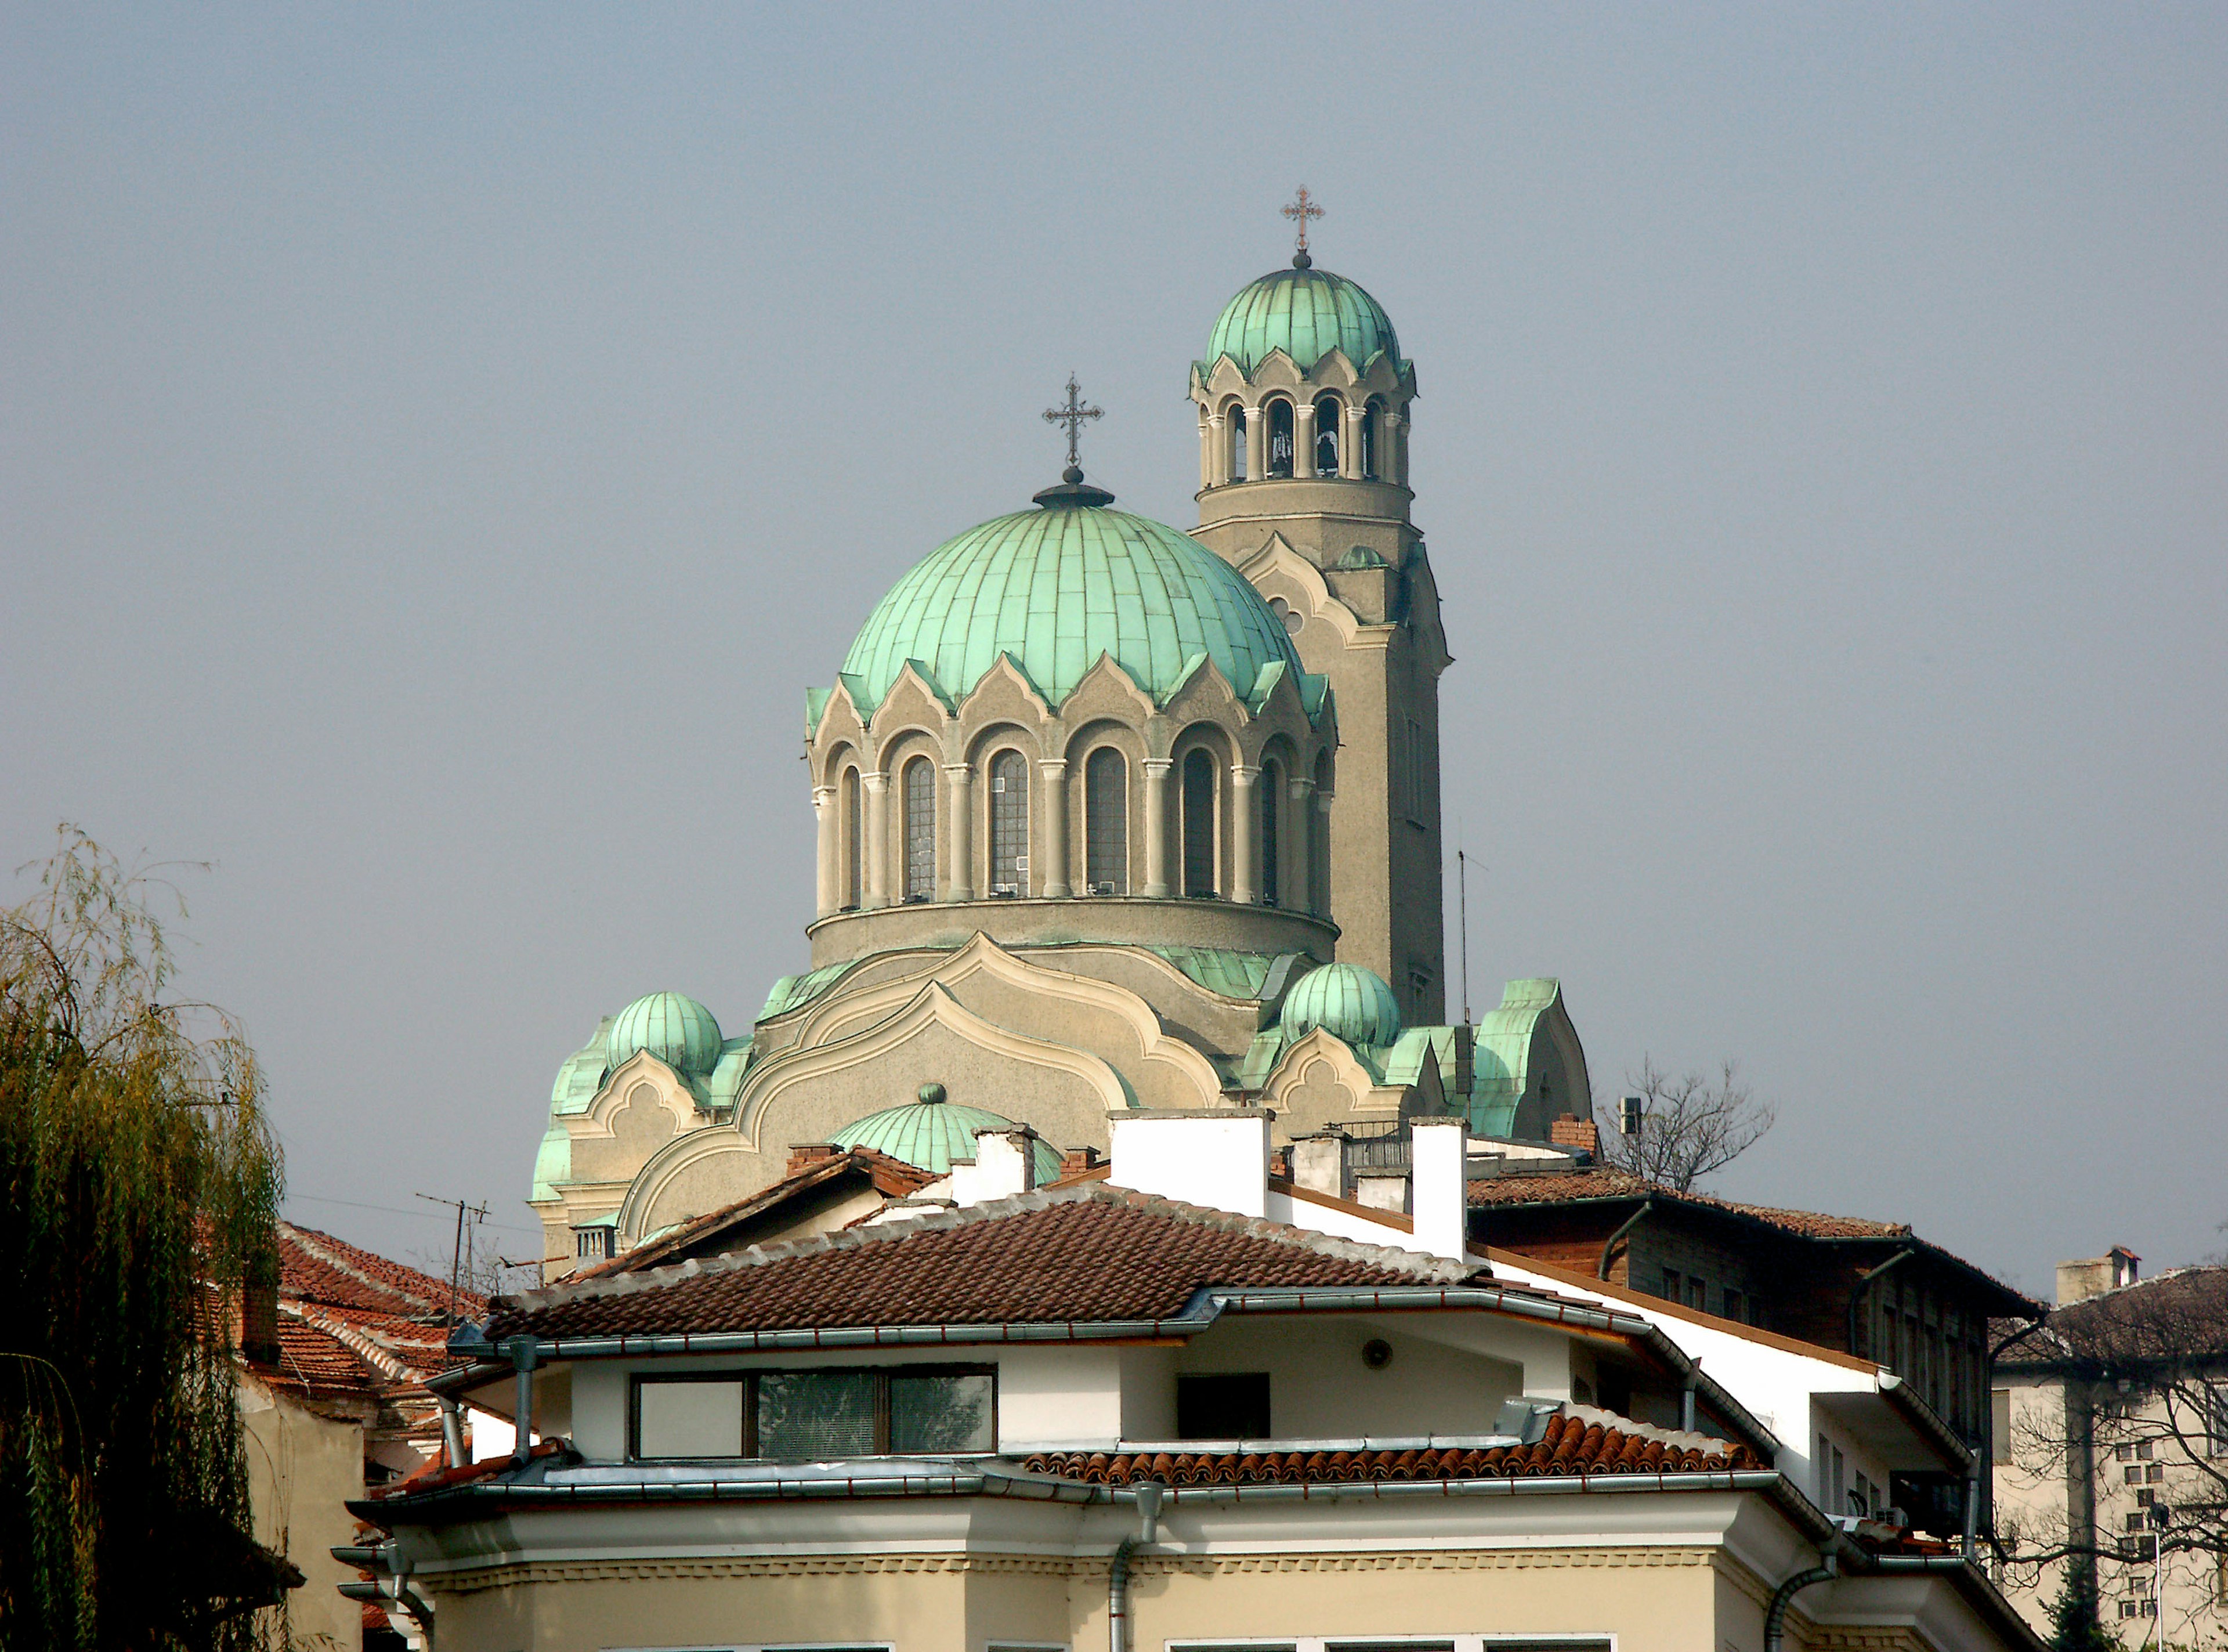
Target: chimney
[
  {"x": 806, "y": 1155},
  {"x": 1571, "y": 1132},
  {"x": 1004, "y": 1167},
  {"x": 1077, "y": 1160},
  {"x": 2094, "y": 1276},
  {"x": 1216, "y": 1156},
  {"x": 1438, "y": 1191},
  {"x": 1319, "y": 1163}
]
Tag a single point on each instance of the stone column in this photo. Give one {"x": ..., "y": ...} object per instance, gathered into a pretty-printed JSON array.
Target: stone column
[
  {"x": 1299, "y": 869},
  {"x": 1349, "y": 446},
  {"x": 1303, "y": 438},
  {"x": 1244, "y": 834},
  {"x": 823, "y": 812},
  {"x": 1257, "y": 443},
  {"x": 1156, "y": 826},
  {"x": 1217, "y": 450},
  {"x": 959, "y": 813},
  {"x": 875, "y": 854},
  {"x": 1054, "y": 885}
]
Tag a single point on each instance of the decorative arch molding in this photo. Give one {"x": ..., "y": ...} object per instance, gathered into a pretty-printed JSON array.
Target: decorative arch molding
[
  {"x": 1005, "y": 694},
  {"x": 685, "y": 1158},
  {"x": 1319, "y": 1081},
  {"x": 624, "y": 1088},
  {"x": 1094, "y": 1087},
  {"x": 1277, "y": 559},
  {"x": 1166, "y": 1068}
]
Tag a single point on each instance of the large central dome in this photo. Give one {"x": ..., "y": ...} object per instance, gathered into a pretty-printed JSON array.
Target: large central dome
[{"x": 1057, "y": 587}]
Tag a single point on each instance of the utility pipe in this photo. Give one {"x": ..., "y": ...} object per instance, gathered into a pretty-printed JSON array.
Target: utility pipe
[
  {"x": 453, "y": 1430},
  {"x": 1630, "y": 1222},
  {"x": 1117, "y": 1572},
  {"x": 522, "y": 1351},
  {"x": 1774, "y": 1615},
  {"x": 1857, "y": 1291}
]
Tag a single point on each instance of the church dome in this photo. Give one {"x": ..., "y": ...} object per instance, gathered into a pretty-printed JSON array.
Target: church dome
[
  {"x": 674, "y": 1028},
  {"x": 1056, "y": 587},
  {"x": 1305, "y": 312},
  {"x": 931, "y": 1133},
  {"x": 1353, "y": 1005}
]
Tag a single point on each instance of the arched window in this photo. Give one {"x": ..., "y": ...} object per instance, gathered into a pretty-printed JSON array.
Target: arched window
[
  {"x": 1236, "y": 443},
  {"x": 1009, "y": 824},
  {"x": 1106, "y": 823},
  {"x": 918, "y": 794},
  {"x": 1373, "y": 418},
  {"x": 1327, "y": 435},
  {"x": 853, "y": 840},
  {"x": 1272, "y": 787},
  {"x": 1280, "y": 438},
  {"x": 1199, "y": 824}
]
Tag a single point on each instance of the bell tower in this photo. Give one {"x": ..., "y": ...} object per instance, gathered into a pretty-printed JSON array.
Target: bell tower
[{"x": 1303, "y": 401}]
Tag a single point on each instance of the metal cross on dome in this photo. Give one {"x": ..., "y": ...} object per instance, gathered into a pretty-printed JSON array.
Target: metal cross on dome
[
  {"x": 1302, "y": 210},
  {"x": 1072, "y": 416}
]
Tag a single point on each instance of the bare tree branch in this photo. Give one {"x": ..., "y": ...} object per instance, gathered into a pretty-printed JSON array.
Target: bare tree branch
[{"x": 1690, "y": 1125}]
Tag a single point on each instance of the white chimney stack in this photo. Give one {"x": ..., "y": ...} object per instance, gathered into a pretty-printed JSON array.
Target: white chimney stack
[
  {"x": 1218, "y": 1157},
  {"x": 1439, "y": 1194},
  {"x": 1004, "y": 1166}
]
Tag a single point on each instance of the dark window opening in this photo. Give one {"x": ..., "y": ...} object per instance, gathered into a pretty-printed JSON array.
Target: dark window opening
[
  {"x": 1009, "y": 823},
  {"x": 1106, "y": 823},
  {"x": 1326, "y": 436},
  {"x": 1272, "y": 786},
  {"x": 854, "y": 885},
  {"x": 1229, "y": 1405},
  {"x": 1373, "y": 417},
  {"x": 1236, "y": 444},
  {"x": 1280, "y": 439},
  {"x": 1198, "y": 866}
]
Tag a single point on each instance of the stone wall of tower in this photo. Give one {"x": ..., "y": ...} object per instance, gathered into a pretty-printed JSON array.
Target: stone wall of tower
[{"x": 1342, "y": 559}]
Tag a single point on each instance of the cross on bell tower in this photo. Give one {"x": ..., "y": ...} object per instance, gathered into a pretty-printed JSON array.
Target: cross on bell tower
[{"x": 1300, "y": 210}]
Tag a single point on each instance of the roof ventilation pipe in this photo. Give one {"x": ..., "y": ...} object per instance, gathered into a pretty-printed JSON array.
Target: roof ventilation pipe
[{"x": 1438, "y": 1196}]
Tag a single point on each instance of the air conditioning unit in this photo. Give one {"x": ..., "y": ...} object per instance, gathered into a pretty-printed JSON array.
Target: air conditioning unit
[{"x": 1101, "y": 889}]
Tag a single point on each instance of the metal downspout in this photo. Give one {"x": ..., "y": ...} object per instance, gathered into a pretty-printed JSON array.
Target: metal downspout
[
  {"x": 522, "y": 1350},
  {"x": 1630, "y": 1222},
  {"x": 1775, "y": 1616},
  {"x": 453, "y": 1430},
  {"x": 1117, "y": 1572}
]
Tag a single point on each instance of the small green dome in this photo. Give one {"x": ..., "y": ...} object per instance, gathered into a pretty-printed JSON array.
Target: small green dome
[
  {"x": 1305, "y": 312},
  {"x": 931, "y": 1132},
  {"x": 674, "y": 1028},
  {"x": 1057, "y": 587},
  {"x": 1349, "y": 1002}
]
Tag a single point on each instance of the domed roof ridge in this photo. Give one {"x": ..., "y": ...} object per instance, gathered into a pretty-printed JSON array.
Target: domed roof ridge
[
  {"x": 1056, "y": 587},
  {"x": 1305, "y": 312},
  {"x": 1353, "y": 1004},
  {"x": 931, "y": 1133},
  {"x": 671, "y": 1026}
]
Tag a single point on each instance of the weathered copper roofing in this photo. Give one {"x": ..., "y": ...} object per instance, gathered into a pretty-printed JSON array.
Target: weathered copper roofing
[
  {"x": 932, "y": 1131},
  {"x": 670, "y": 1026},
  {"x": 1353, "y": 1005},
  {"x": 1305, "y": 312}
]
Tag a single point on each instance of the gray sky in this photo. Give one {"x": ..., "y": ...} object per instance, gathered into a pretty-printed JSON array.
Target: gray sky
[{"x": 437, "y": 449}]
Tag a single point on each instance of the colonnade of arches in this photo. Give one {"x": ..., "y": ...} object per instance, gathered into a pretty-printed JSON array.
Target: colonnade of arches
[
  {"x": 1200, "y": 824},
  {"x": 1286, "y": 435}
]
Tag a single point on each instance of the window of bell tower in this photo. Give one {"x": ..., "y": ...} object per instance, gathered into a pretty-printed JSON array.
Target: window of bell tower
[
  {"x": 920, "y": 798},
  {"x": 1009, "y": 823},
  {"x": 1327, "y": 435},
  {"x": 1106, "y": 823},
  {"x": 1236, "y": 418},
  {"x": 1280, "y": 438},
  {"x": 1372, "y": 419}
]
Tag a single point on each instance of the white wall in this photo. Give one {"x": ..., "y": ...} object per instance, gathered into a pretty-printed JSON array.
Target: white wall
[{"x": 1219, "y": 1159}]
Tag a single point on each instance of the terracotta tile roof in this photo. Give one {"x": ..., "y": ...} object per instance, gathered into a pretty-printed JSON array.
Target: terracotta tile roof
[
  {"x": 890, "y": 1177},
  {"x": 1604, "y": 1183},
  {"x": 316, "y": 1365},
  {"x": 2176, "y": 1320},
  {"x": 1082, "y": 1253},
  {"x": 1571, "y": 1446},
  {"x": 316, "y": 1267}
]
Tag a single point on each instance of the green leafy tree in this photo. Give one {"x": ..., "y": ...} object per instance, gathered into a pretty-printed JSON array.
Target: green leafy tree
[
  {"x": 2074, "y": 1625},
  {"x": 141, "y": 1182}
]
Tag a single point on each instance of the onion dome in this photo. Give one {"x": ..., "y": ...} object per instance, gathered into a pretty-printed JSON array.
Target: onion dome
[
  {"x": 1305, "y": 312},
  {"x": 931, "y": 1133},
  {"x": 1353, "y": 1005},
  {"x": 674, "y": 1028},
  {"x": 1055, "y": 588}
]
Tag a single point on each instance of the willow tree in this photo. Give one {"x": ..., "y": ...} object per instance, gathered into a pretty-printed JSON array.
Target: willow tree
[{"x": 141, "y": 1181}]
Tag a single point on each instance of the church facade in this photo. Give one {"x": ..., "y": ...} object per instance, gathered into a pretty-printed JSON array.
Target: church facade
[{"x": 1109, "y": 817}]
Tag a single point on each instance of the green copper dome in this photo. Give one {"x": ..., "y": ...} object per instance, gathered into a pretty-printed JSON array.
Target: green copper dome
[
  {"x": 1057, "y": 587},
  {"x": 931, "y": 1132},
  {"x": 1349, "y": 1002},
  {"x": 1305, "y": 312},
  {"x": 677, "y": 1030}
]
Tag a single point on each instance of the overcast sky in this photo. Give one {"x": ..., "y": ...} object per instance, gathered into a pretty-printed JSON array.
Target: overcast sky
[{"x": 438, "y": 447}]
